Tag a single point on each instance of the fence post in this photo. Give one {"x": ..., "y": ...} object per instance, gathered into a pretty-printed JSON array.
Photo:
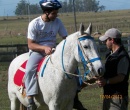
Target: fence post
[
  {"x": 16, "y": 51},
  {"x": 128, "y": 45}
]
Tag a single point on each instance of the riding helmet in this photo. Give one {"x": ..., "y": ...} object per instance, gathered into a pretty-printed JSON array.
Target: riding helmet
[{"x": 50, "y": 5}]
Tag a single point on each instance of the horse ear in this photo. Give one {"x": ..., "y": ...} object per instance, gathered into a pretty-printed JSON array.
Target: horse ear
[
  {"x": 81, "y": 29},
  {"x": 89, "y": 29}
]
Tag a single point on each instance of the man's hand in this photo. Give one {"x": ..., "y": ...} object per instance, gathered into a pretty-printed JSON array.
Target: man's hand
[
  {"x": 101, "y": 82},
  {"x": 47, "y": 50}
]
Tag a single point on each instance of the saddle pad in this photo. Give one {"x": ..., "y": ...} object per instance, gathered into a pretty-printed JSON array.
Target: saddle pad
[{"x": 18, "y": 77}]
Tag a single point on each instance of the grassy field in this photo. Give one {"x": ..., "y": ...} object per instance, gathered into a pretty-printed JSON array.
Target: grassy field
[
  {"x": 89, "y": 96},
  {"x": 13, "y": 30}
]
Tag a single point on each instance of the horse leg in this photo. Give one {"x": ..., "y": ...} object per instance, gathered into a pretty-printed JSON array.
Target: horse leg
[
  {"x": 56, "y": 107},
  {"x": 15, "y": 103},
  {"x": 53, "y": 107},
  {"x": 22, "y": 107}
]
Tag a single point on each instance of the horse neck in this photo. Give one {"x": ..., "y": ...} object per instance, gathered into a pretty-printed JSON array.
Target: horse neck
[{"x": 68, "y": 47}]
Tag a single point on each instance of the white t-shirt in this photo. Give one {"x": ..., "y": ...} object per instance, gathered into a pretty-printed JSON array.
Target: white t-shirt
[{"x": 44, "y": 33}]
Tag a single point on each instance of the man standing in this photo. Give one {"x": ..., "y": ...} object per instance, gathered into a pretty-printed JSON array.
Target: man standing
[{"x": 117, "y": 68}]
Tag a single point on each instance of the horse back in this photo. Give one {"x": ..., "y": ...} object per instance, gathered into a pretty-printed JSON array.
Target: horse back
[{"x": 15, "y": 64}]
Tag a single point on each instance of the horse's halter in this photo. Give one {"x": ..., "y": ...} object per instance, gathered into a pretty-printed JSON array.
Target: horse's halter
[{"x": 84, "y": 57}]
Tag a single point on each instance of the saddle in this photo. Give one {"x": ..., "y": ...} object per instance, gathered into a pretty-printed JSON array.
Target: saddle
[{"x": 20, "y": 73}]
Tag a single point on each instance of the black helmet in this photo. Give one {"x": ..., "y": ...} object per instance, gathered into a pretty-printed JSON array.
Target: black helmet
[{"x": 50, "y": 5}]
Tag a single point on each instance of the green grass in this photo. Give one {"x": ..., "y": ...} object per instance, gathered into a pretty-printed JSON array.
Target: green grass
[
  {"x": 4, "y": 99},
  {"x": 89, "y": 96},
  {"x": 14, "y": 29}
]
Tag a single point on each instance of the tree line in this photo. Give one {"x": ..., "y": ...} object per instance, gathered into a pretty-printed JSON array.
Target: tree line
[{"x": 24, "y": 8}]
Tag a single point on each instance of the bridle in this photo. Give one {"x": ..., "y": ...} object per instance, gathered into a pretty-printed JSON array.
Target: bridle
[
  {"x": 82, "y": 54},
  {"x": 87, "y": 63}
]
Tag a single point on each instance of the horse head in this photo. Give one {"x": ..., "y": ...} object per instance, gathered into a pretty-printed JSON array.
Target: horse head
[{"x": 88, "y": 53}]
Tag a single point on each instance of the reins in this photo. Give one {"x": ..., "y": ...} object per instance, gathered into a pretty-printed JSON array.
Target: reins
[{"x": 87, "y": 63}]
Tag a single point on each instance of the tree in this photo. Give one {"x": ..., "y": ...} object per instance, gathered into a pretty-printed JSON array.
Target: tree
[
  {"x": 35, "y": 9},
  {"x": 80, "y": 5},
  {"x": 83, "y": 6},
  {"x": 22, "y": 8}
]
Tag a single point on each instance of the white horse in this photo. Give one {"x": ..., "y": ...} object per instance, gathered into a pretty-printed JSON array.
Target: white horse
[{"x": 57, "y": 83}]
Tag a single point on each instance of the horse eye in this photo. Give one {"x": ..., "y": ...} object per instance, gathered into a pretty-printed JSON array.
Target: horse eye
[{"x": 86, "y": 46}]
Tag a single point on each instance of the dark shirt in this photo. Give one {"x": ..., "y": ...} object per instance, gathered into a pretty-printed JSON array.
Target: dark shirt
[{"x": 111, "y": 67}]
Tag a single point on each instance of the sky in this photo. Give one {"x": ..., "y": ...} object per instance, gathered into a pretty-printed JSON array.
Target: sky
[{"x": 8, "y": 8}]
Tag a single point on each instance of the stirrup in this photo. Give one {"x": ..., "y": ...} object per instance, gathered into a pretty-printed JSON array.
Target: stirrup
[{"x": 31, "y": 107}]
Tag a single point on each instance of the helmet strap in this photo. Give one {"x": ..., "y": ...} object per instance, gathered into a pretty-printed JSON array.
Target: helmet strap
[{"x": 47, "y": 14}]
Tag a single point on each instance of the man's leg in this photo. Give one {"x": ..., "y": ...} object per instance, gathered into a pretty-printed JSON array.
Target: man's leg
[
  {"x": 31, "y": 83},
  {"x": 119, "y": 103},
  {"x": 115, "y": 103}
]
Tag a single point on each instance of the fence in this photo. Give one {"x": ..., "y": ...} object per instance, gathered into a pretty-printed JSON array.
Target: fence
[{"x": 9, "y": 52}]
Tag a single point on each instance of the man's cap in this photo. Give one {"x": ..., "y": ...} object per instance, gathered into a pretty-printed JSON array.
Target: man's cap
[{"x": 111, "y": 33}]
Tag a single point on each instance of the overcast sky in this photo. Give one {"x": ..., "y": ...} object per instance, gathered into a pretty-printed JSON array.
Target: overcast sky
[{"x": 8, "y": 7}]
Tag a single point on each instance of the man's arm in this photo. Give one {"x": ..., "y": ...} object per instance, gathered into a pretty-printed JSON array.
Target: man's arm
[
  {"x": 117, "y": 79},
  {"x": 121, "y": 72},
  {"x": 39, "y": 48}
]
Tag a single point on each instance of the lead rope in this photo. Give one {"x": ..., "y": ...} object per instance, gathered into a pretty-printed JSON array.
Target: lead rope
[
  {"x": 78, "y": 72},
  {"x": 76, "y": 75},
  {"x": 85, "y": 64}
]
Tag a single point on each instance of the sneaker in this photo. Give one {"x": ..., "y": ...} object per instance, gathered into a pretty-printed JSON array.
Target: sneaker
[{"x": 31, "y": 107}]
